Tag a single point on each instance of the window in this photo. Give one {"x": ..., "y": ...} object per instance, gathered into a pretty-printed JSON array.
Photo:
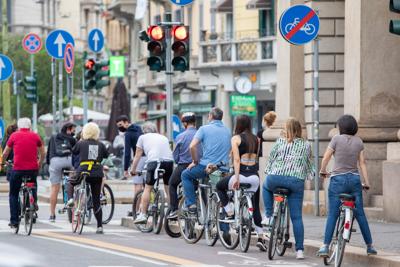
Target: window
[
  {"x": 266, "y": 23},
  {"x": 229, "y": 26},
  {"x": 178, "y": 15},
  {"x": 157, "y": 19}
]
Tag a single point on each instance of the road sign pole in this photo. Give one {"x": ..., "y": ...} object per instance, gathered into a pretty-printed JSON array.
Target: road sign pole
[
  {"x": 71, "y": 95},
  {"x": 34, "y": 104},
  {"x": 16, "y": 92},
  {"x": 169, "y": 73},
  {"x": 316, "y": 124},
  {"x": 54, "y": 98},
  {"x": 60, "y": 93}
]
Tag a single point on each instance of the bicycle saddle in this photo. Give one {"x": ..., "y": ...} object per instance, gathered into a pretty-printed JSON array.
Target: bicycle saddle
[
  {"x": 245, "y": 186},
  {"x": 281, "y": 191},
  {"x": 347, "y": 197}
]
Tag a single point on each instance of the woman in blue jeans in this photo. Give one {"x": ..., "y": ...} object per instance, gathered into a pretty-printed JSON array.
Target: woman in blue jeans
[
  {"x": 348, "y": 151},
  {"x": 288, "y": 166}
]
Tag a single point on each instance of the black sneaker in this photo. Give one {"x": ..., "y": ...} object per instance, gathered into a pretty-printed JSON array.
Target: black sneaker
[
  {"x": 130, "y": 214},
  {"x": 261, "y": 245},
  {"x": 13, "y": 225},
  {"x": 172, "y": 215},
  {"x": 52, "y": 218}
]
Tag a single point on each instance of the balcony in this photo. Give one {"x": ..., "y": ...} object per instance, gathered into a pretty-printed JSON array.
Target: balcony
[
  {"x": 123, "y": 8},
  {"x": 245, "y": 49}
]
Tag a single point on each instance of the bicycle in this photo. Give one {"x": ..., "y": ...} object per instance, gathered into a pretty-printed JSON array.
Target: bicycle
[
  {"x": 309, "y": 29},
  {"x": 172, "y": 223},
  {"x": 155, "y": 211},
  {"x": 280, "y": 225},
  {"x": 66, "y": 176},
  {"x": 343, "y": 229},
  {"x": 192, "y": 226},
  {"x": 240, "y": 227}
]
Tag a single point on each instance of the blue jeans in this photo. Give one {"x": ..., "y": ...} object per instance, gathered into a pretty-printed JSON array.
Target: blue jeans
[
  {"x": 295, "y": 202},
  {"x": 188, "y": 177},
  {"x": 346, "y": 183},
  {"x": 15, "y": 186}
]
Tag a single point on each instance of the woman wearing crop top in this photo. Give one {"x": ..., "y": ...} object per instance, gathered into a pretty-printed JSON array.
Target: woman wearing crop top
[
  {"x": 348, "y": 151},
  {"x": 245, "y": 162}
]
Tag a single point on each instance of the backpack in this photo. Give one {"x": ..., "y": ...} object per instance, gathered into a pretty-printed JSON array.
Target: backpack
[{"x": 62, "y": 147}]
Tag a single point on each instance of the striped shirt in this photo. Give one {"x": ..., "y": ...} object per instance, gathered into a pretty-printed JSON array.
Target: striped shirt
[{"x": 290, "y": 159}]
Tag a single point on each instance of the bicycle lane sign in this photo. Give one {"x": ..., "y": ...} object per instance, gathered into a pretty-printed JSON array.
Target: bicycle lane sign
[{"x": 299, "y": 24}]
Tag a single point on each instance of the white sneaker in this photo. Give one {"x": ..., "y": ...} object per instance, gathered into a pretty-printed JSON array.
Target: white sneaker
[
  {"x": 300, "y": 255},
  {"x": 229, "y": 209},
  {"x": 266, "y": 222},
  {"x": 140, "y": 219}
]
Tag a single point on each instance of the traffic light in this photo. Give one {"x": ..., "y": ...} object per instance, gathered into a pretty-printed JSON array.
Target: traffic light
[
  {"x": 394, "y": 26},
  {"x": 90, "y": 74},
  {"x": 180, "y": 46},
  {"x": 102, "y": 70},
  {"x": 156, "y": 47},
  {"x": 30, "y": 85}
]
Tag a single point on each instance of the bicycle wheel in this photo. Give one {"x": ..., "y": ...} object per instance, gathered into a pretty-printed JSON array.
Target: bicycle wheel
[
  {"x": 20, "y": 212},
  {"x": 210, "y": 228},
  {"x": 107, "y": 203},
  {"x": 332, "y": 247},
  {"x": 82, "y": 211},
  {"x": 274, "y": 231},
  {"x": 157, "y": 210},
  {"x": 171, "y": 226},
  {"x": 88, "y": 207},
  {"x": 146, "y": 227},
  {"x": 341, "y": 244},
  {"x": 189, "y": 225},
  {"x": 28, "y": 212},
  {"x": 245, "y": 226},
  {"x": 75, "y": 212},
  {"x": 283, "y": 235},
  {"x": 227, "y": 230}
]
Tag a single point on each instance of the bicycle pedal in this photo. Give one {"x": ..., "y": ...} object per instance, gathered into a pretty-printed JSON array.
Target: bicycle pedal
[
  {"x": 288, "y": 244},
  {"x": 353, "y": 230}
]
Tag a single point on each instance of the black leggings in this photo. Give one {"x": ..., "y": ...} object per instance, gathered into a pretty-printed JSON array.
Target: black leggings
[
  {"x": 95, "y": 188},
  {"x": 222, "y": 189},
  {"x": 174, "y": 182}
]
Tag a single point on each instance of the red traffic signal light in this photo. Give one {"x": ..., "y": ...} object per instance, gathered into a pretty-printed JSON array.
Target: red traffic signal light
[
  {"x": 156, "y": 33},
  {"x": 180, "y": 33},
  {"x": 89, "y": 64},
  {"x": 180, "y": 46}
]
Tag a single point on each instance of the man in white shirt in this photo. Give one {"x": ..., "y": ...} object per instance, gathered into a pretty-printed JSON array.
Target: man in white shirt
[{"x": 158, "y": 151}]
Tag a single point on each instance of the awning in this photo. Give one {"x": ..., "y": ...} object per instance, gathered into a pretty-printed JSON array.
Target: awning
[
  {"x": 223, "y": 6},
  {"x": 259, "y": 4}
]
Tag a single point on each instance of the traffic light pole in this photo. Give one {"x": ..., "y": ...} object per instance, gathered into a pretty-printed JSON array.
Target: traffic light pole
[
  {"x": 34, "y": 104},
  {"x": 169, "y": 73},
  {"x": 316, "y": 125}
]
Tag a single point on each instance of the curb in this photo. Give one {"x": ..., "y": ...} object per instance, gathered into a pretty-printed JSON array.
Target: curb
[{"x": 352, "y": 254}]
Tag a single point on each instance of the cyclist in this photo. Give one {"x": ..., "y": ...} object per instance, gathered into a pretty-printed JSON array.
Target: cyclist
[
  {"x": 91, "y": 154},
  {"x": 348, "y": 151},
  {"x": 288, "y": 166},
  {"x": 182, "y": 158},
  {"x": 215, "y": 143},
  {"x": 245, "y": 163},
  {"x": 58, "y": 157},
  {"x": 156, "y": 147},
  {"x": 25, "y": 145},
  {"x": 9, "y": 130}
]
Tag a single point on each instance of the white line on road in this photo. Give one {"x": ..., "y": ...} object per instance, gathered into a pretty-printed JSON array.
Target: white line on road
[
  {"x": 104, "y": 250},
  {"x": 236, "y": 254}
]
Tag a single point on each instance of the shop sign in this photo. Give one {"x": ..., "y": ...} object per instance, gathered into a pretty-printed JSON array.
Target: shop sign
[{"x": 243, "y": 105}]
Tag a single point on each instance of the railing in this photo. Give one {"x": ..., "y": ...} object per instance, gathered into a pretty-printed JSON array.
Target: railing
[{"x": 220, "y": 51}]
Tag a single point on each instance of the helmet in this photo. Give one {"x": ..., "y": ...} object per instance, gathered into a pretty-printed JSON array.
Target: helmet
[{"x": 188, "y": 117}]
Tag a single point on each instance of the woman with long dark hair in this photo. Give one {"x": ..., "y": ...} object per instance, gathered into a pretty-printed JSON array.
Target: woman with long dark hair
[{"x": 245, "y": 163}]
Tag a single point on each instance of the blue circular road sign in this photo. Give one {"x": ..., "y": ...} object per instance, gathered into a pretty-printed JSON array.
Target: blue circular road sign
[
  {"x": 96, "y": 40},
  {"x": 56, "y": 42},
  {"x": 6, "y": 67},
  {"x": 299, "y": 24},
  {"x": 182, "y": 2}
]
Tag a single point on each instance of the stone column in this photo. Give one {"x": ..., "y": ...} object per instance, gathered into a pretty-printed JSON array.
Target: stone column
[{"x": 372, "y": 78}]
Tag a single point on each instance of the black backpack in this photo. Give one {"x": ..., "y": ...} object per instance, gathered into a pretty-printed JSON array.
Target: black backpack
[{"x": 62, "y": 146}]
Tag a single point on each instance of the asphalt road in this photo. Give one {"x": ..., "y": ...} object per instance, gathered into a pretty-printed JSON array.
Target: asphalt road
[{"x": 53, "y": 244}]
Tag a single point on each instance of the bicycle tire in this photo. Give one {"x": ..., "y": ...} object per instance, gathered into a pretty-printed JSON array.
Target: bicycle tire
[
  {"x": 168, "y": 228},
  {"x": 82, "y": 210},
  {"x": 158, "y": 212},
  {"x": 341, "y": 244},
  {"x": 28, "y": 212},
  {"x": 283, "y": 234},
  {"x": 274, "y": 230},
  {"x": 245, "y": 226},
  {"x": 109, "y": 201},
  {"x": 144, "y": 228},
  {"x": 220, "y": 216},
  {"x": 22, "y": 208},
  {"x": 87, "y": 219},
  {"x": 187, "y": 225},
  {"x": 210, "y": 228},
  {"x": 332, "y": 247},
  {"x": 74, "y": 212}
]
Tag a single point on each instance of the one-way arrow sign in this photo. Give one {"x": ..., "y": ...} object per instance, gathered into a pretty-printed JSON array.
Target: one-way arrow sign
[
  {"x": 96, "y": 40},
  {"x": 56, "y": 42}
]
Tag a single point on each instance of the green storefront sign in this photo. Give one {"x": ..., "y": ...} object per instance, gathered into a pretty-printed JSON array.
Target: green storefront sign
[
  {"x": 243, "y": 104},
  {"x": 117, "y": 66}
]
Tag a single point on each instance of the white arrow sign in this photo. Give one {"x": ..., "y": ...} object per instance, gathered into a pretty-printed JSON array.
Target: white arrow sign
[
  {"x": 60, "y": 42},
  {"x": 96, "y": 39},
  {"x": 2, "y": 66}
]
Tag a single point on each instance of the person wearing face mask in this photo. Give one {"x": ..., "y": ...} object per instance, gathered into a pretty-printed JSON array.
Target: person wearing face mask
[
  {"x": 59, "y": 153},
  {"x": 131, "y": 133}
]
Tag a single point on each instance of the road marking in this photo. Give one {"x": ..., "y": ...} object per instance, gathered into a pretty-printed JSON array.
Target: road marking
[
  {"x": 101, "y": 250},
  {"x": 120, "y": 248},
  {"x": 236, "y": 254}
]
